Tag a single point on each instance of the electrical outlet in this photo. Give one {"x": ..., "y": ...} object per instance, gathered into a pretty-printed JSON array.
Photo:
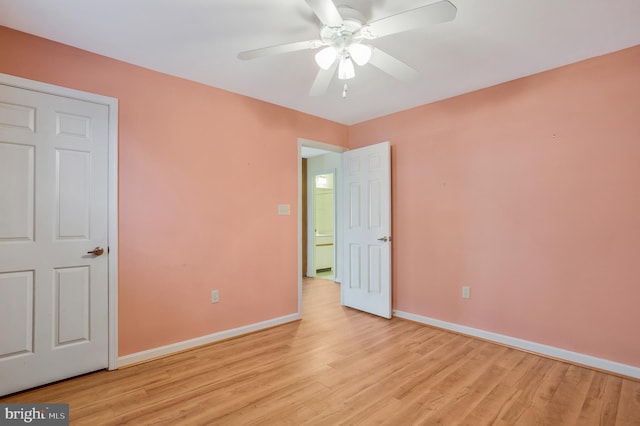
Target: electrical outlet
[
  {"x": 466, "y": 292},
  {"x": 215, "y": 296}
]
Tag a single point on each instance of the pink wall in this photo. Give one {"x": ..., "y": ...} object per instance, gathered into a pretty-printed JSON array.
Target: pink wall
[
  {"x": 529, "y": 192},
  {"x": 201, "y": 174}
]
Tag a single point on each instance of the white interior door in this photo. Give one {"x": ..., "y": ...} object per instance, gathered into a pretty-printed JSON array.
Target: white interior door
[
  {"x": 53, "y": 211},
  {"x": 366, "y": 282}
]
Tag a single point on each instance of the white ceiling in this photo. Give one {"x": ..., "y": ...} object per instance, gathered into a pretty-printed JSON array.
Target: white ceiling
[{"x": 489, "y": 42}]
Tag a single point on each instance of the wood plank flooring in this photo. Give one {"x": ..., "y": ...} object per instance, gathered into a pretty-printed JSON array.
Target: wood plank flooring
[{"x": 340, "y": 366}]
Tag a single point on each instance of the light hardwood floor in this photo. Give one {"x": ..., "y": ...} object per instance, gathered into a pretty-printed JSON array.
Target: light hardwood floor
[{"x": 340, "y": 366}]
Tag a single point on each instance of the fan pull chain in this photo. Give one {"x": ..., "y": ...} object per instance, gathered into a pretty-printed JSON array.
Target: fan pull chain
[{"x": 344, "y": 91}]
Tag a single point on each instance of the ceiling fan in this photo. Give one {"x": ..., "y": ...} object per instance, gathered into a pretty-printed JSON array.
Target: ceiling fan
[{"x": 342, "y": 37}]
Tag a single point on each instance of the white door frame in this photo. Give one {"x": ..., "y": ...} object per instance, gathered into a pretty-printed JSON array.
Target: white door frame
[
  {"x": 112, "y": 105},
  {"x": 327, "y": 147}
]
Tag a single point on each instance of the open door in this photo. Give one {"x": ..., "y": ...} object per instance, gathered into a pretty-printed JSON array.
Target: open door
[{"x": 366, "y": 217}]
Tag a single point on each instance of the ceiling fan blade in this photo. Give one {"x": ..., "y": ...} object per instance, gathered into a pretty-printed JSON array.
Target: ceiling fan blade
[
  {"x": 281, "y": 48},
  {"x": 322, "y": 81},
  {"x": 326, "y": 11},
  {"x": 391, "y": 65},
  {"x": 424, "y": 16}
]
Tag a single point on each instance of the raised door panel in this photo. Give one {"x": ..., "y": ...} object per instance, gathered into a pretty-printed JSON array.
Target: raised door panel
[
  {"x": 374, "y": 262},
  {"x": 16, "y": 313},
  {"x": 72, "y": 307},
  {"x": 353, "y": 205},
  {"x": 17, "y": 116},
  {"x": 354, "y": 263},
  {"x": 374, "y": 209},
  {"x": 73, "y": 194},
  {"x": 73, "y": 125},
  {"x": 17, "y": 186}
]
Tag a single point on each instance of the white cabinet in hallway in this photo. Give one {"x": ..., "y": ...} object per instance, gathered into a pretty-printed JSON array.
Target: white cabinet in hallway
[{"x": 324, "y": 252}]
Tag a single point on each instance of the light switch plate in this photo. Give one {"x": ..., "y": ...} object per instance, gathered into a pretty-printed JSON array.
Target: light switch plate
[{"x": 284, "y": 209}]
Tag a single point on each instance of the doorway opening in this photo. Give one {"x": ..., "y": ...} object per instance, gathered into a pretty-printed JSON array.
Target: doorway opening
[
  {"x": 318, "y": 255},
  {"x": 321, "y": 212},
  {"x": 362, "y": 228}
]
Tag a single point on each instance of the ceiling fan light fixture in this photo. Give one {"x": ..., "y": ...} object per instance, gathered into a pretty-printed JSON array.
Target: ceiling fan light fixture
[
  {"x": 345, "y": 69},
  {"x": 360, "y": 53},
  {"x": 326, "y": 57}
]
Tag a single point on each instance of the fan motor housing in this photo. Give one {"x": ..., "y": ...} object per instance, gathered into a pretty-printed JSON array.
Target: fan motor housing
[{"x": 346, "y": 34}]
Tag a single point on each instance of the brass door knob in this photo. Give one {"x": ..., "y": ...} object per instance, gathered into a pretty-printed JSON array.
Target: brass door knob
[{"x": 96, "y": 251}]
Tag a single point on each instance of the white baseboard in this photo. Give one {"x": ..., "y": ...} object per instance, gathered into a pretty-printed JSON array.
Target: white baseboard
[
  {"x": 150, "y": 354},
  {"x": 563, "y": 354}
]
